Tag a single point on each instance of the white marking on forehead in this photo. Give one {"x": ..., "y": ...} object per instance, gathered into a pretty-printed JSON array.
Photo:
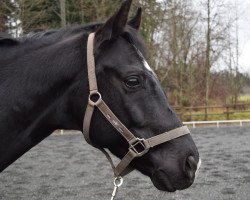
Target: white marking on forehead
[{"x": 146, "y": 65}]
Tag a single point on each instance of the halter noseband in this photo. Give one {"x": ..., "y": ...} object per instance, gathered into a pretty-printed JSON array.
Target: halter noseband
[{"x": 137, "y": 146}]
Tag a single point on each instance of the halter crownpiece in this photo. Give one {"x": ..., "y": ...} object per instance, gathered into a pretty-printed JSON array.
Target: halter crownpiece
[{"x": 137, "y": 146}]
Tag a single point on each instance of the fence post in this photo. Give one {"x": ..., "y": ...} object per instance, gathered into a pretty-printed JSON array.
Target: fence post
[
  {"x": 227, "y": 112},
  {"x": 190, "y": 113},
  {"x": 205, "y": 113},
  {"x": 181, "y": 111}
]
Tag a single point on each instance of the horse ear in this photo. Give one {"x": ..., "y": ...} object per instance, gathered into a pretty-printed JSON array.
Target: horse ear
[
  {"x": 114, "y": 27},
  {"x": 135, "y": 22}
]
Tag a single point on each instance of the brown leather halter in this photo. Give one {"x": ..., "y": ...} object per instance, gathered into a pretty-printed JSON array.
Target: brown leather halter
[{"x": 137, "y": 146}]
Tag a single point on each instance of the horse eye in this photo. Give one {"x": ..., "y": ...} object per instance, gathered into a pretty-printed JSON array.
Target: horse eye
[{"x": 133, "y": 82}]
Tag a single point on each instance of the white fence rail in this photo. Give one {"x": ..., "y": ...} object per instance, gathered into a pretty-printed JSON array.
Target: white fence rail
[{"x": 217, "y": 123}]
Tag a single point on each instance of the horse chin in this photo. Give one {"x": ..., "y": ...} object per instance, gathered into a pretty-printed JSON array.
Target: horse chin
[{"x": 162, "y": 182}]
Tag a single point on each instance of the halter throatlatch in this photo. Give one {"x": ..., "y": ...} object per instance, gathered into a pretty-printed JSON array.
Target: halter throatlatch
[{"x": 137, "y": 146}]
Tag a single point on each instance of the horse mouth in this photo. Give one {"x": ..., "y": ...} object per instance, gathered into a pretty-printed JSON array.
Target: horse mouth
[{"x": 162, "y": 182}]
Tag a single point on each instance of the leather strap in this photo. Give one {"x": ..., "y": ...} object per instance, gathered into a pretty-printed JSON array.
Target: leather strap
[
  {"x": 87, "y": 121},
  {"x": 167, "y": 136},
  {"x": 117, "y": 124},
  {"x": 137, "y": 147},
  {"x": 92, "y": 86},
  {"x": 91, "y": 63}
]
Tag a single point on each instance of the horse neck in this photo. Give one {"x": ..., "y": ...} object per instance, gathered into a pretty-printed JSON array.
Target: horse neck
[{"x": 40, "y": 96}]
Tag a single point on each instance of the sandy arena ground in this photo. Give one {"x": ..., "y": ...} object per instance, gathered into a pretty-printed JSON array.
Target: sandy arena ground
[{"x": 64, "y": 167}]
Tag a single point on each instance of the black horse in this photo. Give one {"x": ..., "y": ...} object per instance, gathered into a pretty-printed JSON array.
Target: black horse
[{"x": 44, "y": 87}]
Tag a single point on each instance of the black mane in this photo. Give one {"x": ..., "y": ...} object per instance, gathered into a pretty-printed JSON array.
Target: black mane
[
  {"x": 12, "y": 48},
  {"x": 53, "y": 35}
]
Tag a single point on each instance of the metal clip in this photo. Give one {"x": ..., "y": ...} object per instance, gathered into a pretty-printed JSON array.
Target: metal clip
[{"x": 118, "y": 181}]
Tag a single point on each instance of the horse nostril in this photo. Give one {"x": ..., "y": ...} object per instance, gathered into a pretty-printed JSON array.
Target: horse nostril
[{"x": 190, "y": 167}]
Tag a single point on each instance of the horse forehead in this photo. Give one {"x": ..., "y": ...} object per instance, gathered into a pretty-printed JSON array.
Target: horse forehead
[
  {"x": 144, "y": 62},
  {"x": 125, "y": 53},
  {"x": 143, "y": 59},
  {"x": 133, "y": 54}
]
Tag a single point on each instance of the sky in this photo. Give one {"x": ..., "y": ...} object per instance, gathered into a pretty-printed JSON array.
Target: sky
[{"x": 244, "y": 34}]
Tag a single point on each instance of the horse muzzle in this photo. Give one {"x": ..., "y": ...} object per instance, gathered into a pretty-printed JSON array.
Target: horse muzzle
[{"x": 179, "y": 178}]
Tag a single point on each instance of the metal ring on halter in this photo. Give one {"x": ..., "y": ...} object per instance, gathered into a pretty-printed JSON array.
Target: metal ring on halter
[
  {"x": 118, "y": 181},
  {"x": 95, "y": 102}
]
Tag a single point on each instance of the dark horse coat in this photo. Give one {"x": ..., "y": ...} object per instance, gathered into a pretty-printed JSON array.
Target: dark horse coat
[{"x": 44, "y": 87}]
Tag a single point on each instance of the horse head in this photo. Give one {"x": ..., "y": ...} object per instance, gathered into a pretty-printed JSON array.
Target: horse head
[{"x": 132, "y": 90}]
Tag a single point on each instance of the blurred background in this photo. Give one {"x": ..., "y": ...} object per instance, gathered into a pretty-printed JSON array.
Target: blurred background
[{"x": 199, "y": 49}]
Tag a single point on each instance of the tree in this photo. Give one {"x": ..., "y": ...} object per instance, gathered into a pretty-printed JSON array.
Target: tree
[
  {"x": 7, "y": 7},
  {"x": 62, "y": 13},
  {"x": 39, "y": 15},
  {"x": 208, "y": 56},
  {"x": 43, "y": 14},
  {"x": 85, "y": 11},
  {"x": 217, "y": 38},
  {"x": 237, "y": 79},
  {"x": 177, "y": 49}
]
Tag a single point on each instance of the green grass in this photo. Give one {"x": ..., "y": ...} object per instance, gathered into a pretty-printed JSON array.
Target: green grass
[
  {"x": 215, "y": 113},
  {"x": 214, "y": 116},
  {"x": 244, "y": 99}
]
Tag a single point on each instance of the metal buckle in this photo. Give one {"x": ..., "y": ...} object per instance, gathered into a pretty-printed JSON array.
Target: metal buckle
[{"x": 138, "y": 147}]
